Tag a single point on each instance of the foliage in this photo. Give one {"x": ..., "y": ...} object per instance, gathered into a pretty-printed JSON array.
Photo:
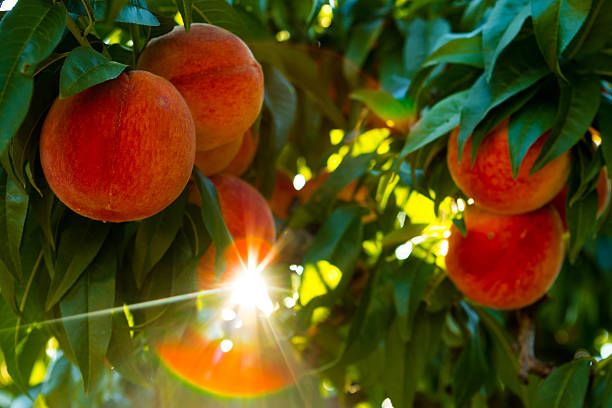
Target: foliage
[{"x": 369, "y": 321}]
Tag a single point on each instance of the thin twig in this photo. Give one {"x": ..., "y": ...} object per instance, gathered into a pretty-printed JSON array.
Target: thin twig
[{"x": 528, "y": 362}]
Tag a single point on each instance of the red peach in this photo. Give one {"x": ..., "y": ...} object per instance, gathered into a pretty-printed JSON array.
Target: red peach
[
  {"x": 217, "y": 75},
  {"x": 490, "y": 182},
  {"x": 239, "y": 165},
  {"x": 122, "y": 150},
  {"x": 215, "y": 160},
  {"x": 506, "y": 261}
]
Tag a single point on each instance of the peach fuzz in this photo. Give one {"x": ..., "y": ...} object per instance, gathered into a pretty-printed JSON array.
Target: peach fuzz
[
  {"x": 603, "y": 197},
  {"x": 246, "y": 370},
  {"x": 122, "y": 150},
  {"x": 246, "y": 215},
  {"x": 490, "y": 182},
  {"x": 217, "y": 75},
  {"x": 215, "y": 160},
  {"x": 240, "y": 164},
  {"x": 506, "y": 261}
]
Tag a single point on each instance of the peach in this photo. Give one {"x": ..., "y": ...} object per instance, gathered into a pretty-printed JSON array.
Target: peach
[
  {"x": 603, "y": 197},
  {"x": 215, "y": 160},
  {"x": 122, "y": 150},
  {"x": 247, "y": 217},
  {"x": 506, "y": 261},
  {"x": 245, "y": 370},
  {"x": 490, "y": 182},
  {"x": 240, "y": 164},
  {"x": 217, "y": 75}
]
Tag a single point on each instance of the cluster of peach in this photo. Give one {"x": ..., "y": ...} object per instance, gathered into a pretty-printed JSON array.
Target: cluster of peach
[
  {"x": 513, "y": 249},
  {"x": 124, "y": 149}
]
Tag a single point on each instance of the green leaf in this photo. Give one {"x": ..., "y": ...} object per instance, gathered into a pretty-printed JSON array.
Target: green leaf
[
  {"x": 185, "y": 8},
  {"x": 339, "y": 240},
  {"x": 23, "y": 148},
  {"x": 502, "y": 26},
  {"x": 555, "y": 23},
  {"x": 154, "y": 237},
  {"x": 505, "y": 83},
  {"x": 566, "y": 387},
  {"x": 578, "y": 106},
  {"x": 86, "y": 314},
  {"x": 505, "y": 359},
  {"x": 80, "y": 242},
  {"x": 219, "y": 13},
  {"x": 581, "y": 218},
  {"x": 421, "y": 39},
  {"x": 435, "y": 123},
  {"x": 28, "y": 34},
  {"x": 405, "y": 362},
  {"x": 459, "y": 49},
  {"x": 20, "y": 347},
  {"x": 384, "y": 105},
  {"x": 113, "y": 10},
  {"x": 136, "y": 12},
  {"x": 595, "y": 31},
  {"x": 471, "y": 369},
  {"x": 371, "y": 320},
  {"x": 122, "y": 351},
  {"x": 410, "y": 283},
  {"x": 604, "y": 119},
  {"x": 362, "y": 39},
  {"x": 16, "y": 209},
  {"x": 84, "y": 68},
  {"x": 499, "y": 113},
  {"x": 526, "y": 126},
  {"x": 281, "y": 100},
  {"x": 213, "y": 218}
]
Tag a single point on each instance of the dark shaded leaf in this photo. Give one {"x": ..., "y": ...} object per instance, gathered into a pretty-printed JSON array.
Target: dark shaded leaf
[
  {"x": 459, "y": 49},
  {"x": 581, "y": 217},
  {"x": 79, "y": 243},
  {"x": 502, "y": 26},
  {"x": 213, "y": 218},
  {"x": 281, "y": 99},
  {"x": 555, "y": 23},
  {"x": 505, "y": 83},
  {"x": 122, "y": 351},
  {"x": 16, "y": 209},
  {"x": 85, "y": 67},
  {"x": 87, "y": 316},
  {"x": 220, "y": 13},
  {"x": 405, "y": 362},
  {"x": 422, "y": 37},
  {"x": 526, "y": 126},
  {"x": 604, "y": 119},
  {"x": 28, "y": 34},
  {"x": 410, "y": 282},
  {"x": 438, "y": 121},
  {"x": 471, "y": 369},
  {"x": 362, "y": 40},
  {"x": 565, "y": 387},
  {"x": 371, "y": 320},
  {"x": 154, "y": 237},
  {"x": 136, "y": 12},
  {"x": 578, "y": 106}
]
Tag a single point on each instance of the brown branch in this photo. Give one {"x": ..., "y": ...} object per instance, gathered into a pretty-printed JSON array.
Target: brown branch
[{"x": 528, "y": 362}]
